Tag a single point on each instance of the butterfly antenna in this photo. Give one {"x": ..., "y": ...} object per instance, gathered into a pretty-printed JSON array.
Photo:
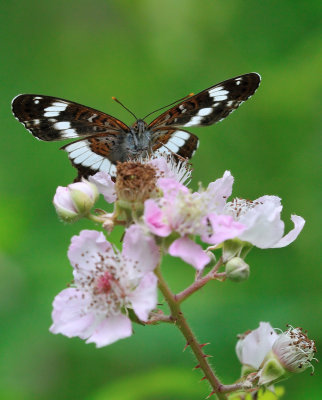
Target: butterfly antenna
[
  {"x": 183, "y": 98},
  {"x": 118, "y": 101}
]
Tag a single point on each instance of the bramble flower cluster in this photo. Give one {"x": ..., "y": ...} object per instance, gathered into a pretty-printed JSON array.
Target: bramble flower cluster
[{"x": 112, "y": 289}]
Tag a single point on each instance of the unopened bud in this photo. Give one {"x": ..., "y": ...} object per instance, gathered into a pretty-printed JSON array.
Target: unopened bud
[
  {"x": 75, "y": 201},
  {"x": 237, "y": 270}
]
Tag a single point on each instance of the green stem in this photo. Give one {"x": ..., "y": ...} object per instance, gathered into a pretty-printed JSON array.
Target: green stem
[
  {"x": 95, "y": 218},
  {"x": 185, "y": 329}
]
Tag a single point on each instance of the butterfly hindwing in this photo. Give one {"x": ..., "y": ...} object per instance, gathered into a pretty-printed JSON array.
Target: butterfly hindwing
[
  {"x": 51, "y": 118},
  {"x": 211, "y": 105},
  {"x": 92, "y": 155},
  {"x": 179, "y": 142}
]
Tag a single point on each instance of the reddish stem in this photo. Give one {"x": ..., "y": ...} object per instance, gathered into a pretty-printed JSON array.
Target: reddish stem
[{"x": 200, "y": 282}]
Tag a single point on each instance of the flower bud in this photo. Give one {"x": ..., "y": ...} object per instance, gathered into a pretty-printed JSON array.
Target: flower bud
[
  {"x": 84, "y": 195},
  {"x": 237, "y": 270},
  {"x": 75, "y": 200},
  {"x": 64, "y": 205}
]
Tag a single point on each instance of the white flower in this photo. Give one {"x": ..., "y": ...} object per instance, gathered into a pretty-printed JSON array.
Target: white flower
[
  {"x": 274, "y": 356},
  {"x": 262, "y": 218}
]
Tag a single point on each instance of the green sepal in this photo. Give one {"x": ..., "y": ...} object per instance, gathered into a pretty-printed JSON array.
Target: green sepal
[
  {"x": 167, "y": 241},
  {"x": 272, "y": 371},
  {"x": 133, "y": 317}
]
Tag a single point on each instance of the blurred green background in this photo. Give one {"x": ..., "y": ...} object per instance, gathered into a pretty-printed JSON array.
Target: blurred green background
[{"x": 149, "y": 53}]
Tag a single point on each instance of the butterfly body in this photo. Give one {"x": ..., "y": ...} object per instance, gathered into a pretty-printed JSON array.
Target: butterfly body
[{"x": 103, "y": 140}]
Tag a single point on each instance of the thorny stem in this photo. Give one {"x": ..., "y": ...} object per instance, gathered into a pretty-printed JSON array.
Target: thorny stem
[
  {"x": 182, "y": 324},
  {"x": 200, "y": 282}
]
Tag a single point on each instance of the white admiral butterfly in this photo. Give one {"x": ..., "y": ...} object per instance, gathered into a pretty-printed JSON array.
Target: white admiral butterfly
[{"x": 105, "y": 140}]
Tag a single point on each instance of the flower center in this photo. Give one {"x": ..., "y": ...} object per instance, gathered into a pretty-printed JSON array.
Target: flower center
[
  {"x": 294, "y": 349},
  {"x": 135, "y": 182},
  {"x": 238, "y": 207},
  {"x": 103, "y": 283}
]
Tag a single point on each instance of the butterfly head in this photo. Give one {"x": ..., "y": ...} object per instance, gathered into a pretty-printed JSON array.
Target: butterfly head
[{"x": 139, "y": 127}]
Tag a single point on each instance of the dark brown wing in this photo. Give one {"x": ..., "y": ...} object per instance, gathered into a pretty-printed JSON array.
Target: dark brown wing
[
  {"x": 51, "y": 118},
  {"x": 211, "y": 105}
]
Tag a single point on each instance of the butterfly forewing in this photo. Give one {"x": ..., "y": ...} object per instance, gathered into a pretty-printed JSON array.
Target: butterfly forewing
[
  {"x": 211, "y": 105},
  {"x": 50, "y": 118}
]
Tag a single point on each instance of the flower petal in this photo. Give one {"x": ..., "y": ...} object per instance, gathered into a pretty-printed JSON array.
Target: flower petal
[
  {"x": 293, "y": 234},
  {"x": 144, "y": 297},
  {"x": 171, "y": 187},
  {"x": 223, "y": 227},
  {"x": 263, "y": 222},
  {"x": 63, "y": 201},
  {"x": 220, "y": 190},
  {"x": 67, "y": 315},
  {"x": 153, "y": 218},
  {"x": 140, "y": 248},
  {"x": 252, "y": 349},
  {"x": 190, "y": 252},
  {"x": 110, "y": 330},
  {"x": 86, "y": 188},
  {"x": 105, "y": 185},
  {"x": 85, "y": 250}
]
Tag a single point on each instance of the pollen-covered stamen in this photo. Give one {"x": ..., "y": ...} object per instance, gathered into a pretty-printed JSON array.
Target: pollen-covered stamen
[
  {"x": 238, "y": 207},
  {"x": 135, "y": 182},
  {"x": 168, "y": 166},
  {"x": 103, "y": 283},
  {"x": 107, "y": 283},
  {"x": 189, "y": 210},
  {"x": 294, "y": 350}
]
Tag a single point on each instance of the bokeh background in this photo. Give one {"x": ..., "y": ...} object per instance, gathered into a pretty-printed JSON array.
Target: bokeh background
[{"x": 149, "y": 53}]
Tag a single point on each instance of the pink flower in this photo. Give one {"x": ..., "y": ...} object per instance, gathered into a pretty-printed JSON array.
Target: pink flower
[
  {"x": 262, "y": 219},
  {"x": 192, "y": 214},
  {"x": 106, "y": 284}
]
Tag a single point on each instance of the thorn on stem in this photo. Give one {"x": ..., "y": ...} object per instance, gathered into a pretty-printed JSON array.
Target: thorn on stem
[
  {"x": 206, "y": 355},
  {"x": 212, "y": 393},
  {"x": 203, "y": 378},
  {"x": 203, "y": 345},
  {"x": 197, "y": 366},
  {"x": 185, "y": 347}
]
